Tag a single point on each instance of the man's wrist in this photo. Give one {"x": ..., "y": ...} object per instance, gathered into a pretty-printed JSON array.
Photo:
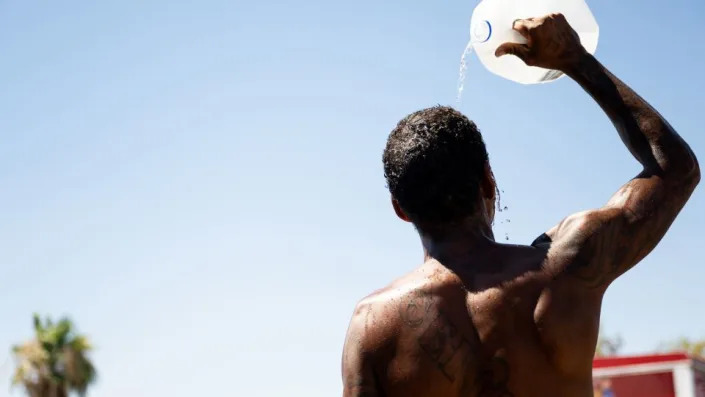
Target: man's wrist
[{"x": 580, "y": 63}]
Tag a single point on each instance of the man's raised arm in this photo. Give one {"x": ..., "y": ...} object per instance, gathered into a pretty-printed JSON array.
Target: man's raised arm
[{"x": 600, "y": 245}]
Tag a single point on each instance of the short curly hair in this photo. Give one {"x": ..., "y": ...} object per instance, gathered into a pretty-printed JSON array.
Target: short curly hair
[{"x": 434, "y": 164}]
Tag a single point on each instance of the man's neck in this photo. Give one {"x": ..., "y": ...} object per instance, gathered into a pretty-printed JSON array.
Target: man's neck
[{"x": 457, "y": 244}]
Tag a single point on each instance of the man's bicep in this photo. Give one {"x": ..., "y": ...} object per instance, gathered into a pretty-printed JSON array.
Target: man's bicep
[
  {"x": 603, "y": 244},
  {"x": 591, "y": 246}
]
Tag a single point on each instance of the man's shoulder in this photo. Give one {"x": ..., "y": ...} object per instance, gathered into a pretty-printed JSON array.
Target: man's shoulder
[
  {"x": 384, "y": 303},
  {"x": 374, "y": 321},
  {"x": 420, "y": 282},
  {"x": 378, "y": 328},
  {"x": 381, "y": 315}
]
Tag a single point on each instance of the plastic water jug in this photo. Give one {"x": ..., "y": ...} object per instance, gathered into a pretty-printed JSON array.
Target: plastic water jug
[{"x": 491, "y": 26}]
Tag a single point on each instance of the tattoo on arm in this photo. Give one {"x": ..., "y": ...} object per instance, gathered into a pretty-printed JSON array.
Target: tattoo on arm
[
  {"x": 596, "y": 272},
  {"x": 635, "y": 220}
]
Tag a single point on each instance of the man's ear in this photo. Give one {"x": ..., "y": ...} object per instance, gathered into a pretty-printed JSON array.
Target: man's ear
[
  {"x": 489, "y": 193},
  {"x": 400, "y": 212},
  {"x": 489, "y": 186}
]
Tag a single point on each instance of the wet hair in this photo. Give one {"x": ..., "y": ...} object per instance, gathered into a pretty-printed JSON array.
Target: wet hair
[{"x": 434, "y": 164}]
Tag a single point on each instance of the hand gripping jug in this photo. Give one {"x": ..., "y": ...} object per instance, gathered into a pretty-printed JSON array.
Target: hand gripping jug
[{"x": 491, "y": 26}]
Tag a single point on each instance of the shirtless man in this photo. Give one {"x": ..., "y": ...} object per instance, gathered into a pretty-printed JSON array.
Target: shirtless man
[{"x": 480, "y": 318}]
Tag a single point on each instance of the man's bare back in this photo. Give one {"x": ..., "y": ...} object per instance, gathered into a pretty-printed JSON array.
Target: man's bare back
[
  {"x": 479, "y": 318},
  {"x": 495, "y": 332}
]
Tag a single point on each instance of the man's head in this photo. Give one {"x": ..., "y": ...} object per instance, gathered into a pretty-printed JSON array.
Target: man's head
[{"x": 437, "y": 169}]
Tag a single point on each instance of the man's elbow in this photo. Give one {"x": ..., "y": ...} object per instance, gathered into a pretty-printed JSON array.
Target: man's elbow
[
  {"x": 684, "y": 169},
  {"x": 694, "y": 174}
]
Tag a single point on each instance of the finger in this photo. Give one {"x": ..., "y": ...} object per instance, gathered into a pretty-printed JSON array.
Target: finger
[
  {"x": 518, "y": 50},
  {"x": 522, "y": 26},
  {"x": 558, "y": 16}
]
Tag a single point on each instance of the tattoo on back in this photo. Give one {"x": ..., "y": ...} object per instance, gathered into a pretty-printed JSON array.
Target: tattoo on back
[
  {"x": 452, "y": 353},
  {"x": 493, "y": 379},
  {"x": 437, "y": 336}
]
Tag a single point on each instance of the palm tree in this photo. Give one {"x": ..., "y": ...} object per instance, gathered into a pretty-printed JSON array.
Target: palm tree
[{"x": 54, "y": 362}]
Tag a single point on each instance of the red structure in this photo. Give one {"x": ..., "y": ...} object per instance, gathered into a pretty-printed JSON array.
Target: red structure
[{"x": 663, "y": 375}]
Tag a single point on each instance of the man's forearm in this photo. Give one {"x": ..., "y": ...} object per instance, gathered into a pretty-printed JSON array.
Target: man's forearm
[{"x": 649, "y": 137}]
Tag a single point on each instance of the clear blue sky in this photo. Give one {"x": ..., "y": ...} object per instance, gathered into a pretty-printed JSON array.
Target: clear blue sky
[{"x": 199, "y": 184}]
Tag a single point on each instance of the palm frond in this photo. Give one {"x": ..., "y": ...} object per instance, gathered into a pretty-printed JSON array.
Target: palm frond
[{"x": 54, "y": 361}]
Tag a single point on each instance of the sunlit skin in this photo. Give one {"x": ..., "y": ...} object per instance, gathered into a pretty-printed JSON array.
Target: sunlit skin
[{"x": 480, "y": 318}]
